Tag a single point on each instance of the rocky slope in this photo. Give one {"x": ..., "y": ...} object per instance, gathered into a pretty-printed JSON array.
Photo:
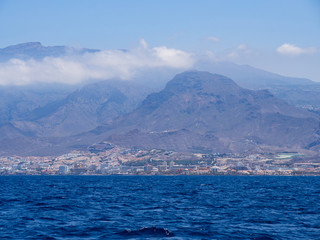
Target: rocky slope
[
  {"x": 196, "y": 111},
  {"x": 199, "y": 110}
]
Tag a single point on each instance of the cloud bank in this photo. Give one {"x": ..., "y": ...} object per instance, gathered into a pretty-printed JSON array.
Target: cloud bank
[
  {"x": 102, "y": 65},
  {"x": 292, "y": 50}
]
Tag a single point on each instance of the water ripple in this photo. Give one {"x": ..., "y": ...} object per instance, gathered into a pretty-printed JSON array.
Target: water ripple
[{"x": 154, "y": 207}]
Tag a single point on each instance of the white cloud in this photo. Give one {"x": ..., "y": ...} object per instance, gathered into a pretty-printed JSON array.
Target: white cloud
[
  {"x": 292, "y": 50},
  {"x": 143, "y": 43},
  {"x": 100, "y": 65},
  {"x": 232, "y": 55},
  {"x": 240, "y": 51},
  {"x": 213, "y": 39},
  {"x": 172, "y": 57},
  {"x": 242, "y": 46}
]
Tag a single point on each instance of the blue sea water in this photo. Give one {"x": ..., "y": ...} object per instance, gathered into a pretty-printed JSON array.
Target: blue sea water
[{"x": 159, "y": 207}]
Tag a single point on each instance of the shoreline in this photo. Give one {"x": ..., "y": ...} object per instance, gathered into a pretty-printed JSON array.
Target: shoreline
[{"x": 163, "y": 175}]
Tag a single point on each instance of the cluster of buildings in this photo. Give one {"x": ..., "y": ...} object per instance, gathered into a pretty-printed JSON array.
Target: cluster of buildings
[{"x": 107, "y": 159}]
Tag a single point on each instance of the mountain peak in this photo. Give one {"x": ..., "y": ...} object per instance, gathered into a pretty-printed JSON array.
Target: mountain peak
[
  {"x": 201, "y": 80},
  {"x": 218, "y": 116},
  {"x": 29, "y": 50},
  {"x": 28, "y": 45}
]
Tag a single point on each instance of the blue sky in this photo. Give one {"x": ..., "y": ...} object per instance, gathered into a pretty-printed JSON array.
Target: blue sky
[{"x": 276, "y": 35}]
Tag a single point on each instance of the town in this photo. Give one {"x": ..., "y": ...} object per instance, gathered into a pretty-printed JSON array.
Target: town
[{"x": 107, "y": 159}]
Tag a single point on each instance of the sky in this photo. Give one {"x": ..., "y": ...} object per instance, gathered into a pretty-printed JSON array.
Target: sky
[{"x": 281, "y": 36}]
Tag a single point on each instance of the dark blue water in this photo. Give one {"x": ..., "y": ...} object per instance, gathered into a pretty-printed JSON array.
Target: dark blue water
[{"x": 156, "y": 207}]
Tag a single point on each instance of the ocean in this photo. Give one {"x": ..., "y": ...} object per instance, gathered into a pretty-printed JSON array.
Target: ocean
[{"x": 159, "y": 207}]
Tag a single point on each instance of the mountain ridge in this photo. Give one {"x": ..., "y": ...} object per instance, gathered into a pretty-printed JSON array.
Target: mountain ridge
[
  {"x": 211, "y": 117},
  {"x": 196, "y": 111},
  {"x": 36, "y": 50},
  {"x": 64, "y": 114}
]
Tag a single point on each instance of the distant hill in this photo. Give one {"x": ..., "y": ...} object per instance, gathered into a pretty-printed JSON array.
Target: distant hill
[
  {"x": 83, "y": 109},
  {"x": 36, "y": 50},
  {"x": 296, "y": 91},
  {"x": 17, "y": 102},
  {"x": 250, "y": 77}
]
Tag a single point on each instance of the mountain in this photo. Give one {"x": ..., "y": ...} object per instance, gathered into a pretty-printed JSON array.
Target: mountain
[
  {"x": 17, "y": 102},
  {"x": 44, "y": 127},
  {"x": 83, "y": 110},
  {"x": 210, "y": 112},
  {"x": 250, "y": 77},
  {"x": 196, "y": 111},
  {"x": 300, "y": 92},
  {"x": 37, "y": 51},
  {"x": 297, "y": 91}
]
